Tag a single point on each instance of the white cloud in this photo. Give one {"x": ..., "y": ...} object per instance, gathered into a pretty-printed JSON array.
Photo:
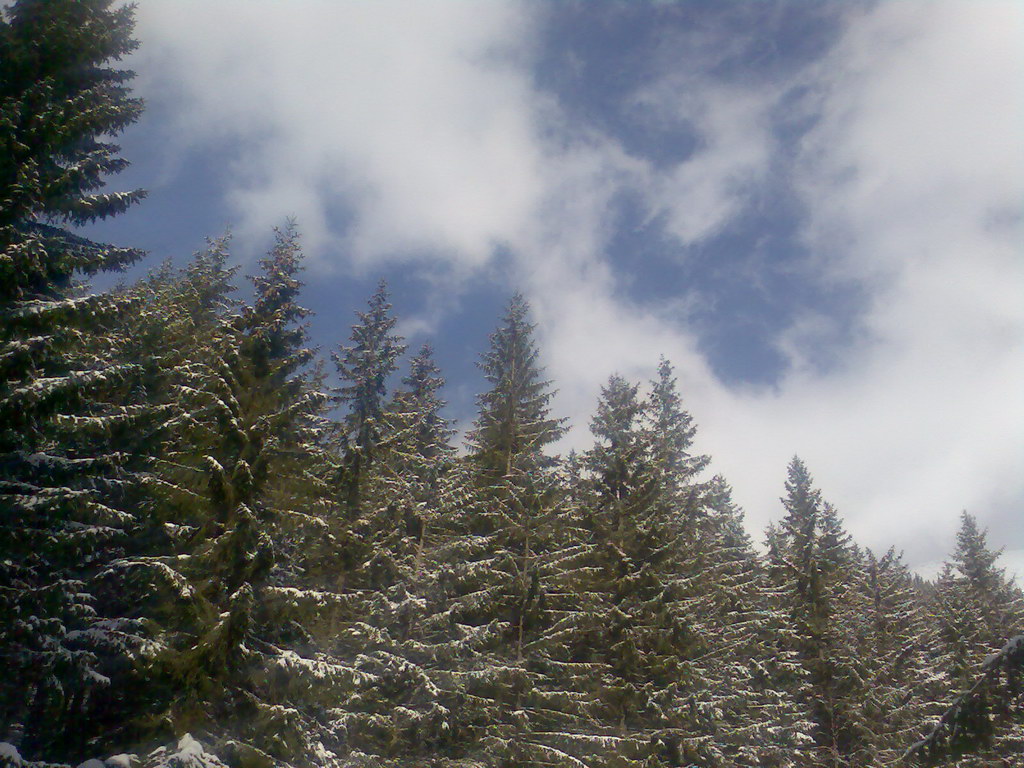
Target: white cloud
[
  {"x": 913, "y": 181},
  {"x": 700, "y": 195},
  {"x": 413, "y": 131},
  {"x": 413, "y": 116}
]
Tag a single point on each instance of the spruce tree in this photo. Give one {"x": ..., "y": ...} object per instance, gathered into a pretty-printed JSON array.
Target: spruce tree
[
  {"x": 492, "y": 566},
  {"x": 405, "y": 484},
  {"x": 663, "y": 603},
  {"x": 410, "y": 494},
  {"x": 743, "y": 650},
  {"x": 513, "y": 424},
  {"x": 244, "y": 585},
  {"x": 977, "y": 612},
  {"x": 671, "y": 433},
  {"x": 813, "y": 560},
  {"x": 895, "y": 642},
  {"x": 618, "y": 462},
  {"x": 365, "y": 367},
  {"x": 63, "y": 481}
]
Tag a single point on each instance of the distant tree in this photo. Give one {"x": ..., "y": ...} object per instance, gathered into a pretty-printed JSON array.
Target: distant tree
[
  {"x": 405, "y": 485},
  {"x": 743, "y": 650},
  {"x": 671, "y": 434},
  {"x": 365, "y": 367},
  {"x": 483, "y": 611},
  {"x": 411, "y": 493},
  {"x": 894, "y": 642},
  {"x": 514, "y": 424},
  {"x": 814, "y": 562},
  {"x": 977, "y": 611},
  {"x": 619, "y": 461},
  {"x": 659, "y": 604}
]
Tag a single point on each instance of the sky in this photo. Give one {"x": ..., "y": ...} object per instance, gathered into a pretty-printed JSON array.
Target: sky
[{"x": 813, "y": 209}]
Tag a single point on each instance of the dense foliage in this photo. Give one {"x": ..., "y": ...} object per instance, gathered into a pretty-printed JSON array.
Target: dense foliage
[{"x": 209, "y": 557}]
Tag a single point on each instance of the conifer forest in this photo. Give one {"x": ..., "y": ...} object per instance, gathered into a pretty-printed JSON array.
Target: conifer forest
[{"x": 209, "y": 557}]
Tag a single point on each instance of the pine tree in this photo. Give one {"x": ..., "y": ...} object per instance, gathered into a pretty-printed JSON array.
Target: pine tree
[
  {"x": 895, "y": 643},
  {"x": 671, "y": 433},
  {"x": 62, "y": 479},
  {"x": 485, "y": 609},
  {"x": 410, "y": 495},
  {"x": 365, "y": 367},
  {"x": 976, "y": 611},
  {"x": 405, "y": 483},
  {"x": 743, "y": 653},
  {"x": 654, "y": 577},
  {"x": 513, "y": 425},
  {"x": 813, "y": 560},
  {"x": 130, "y": 587},
  {"x": 618, "y": 461},
  {"x": 245, "y": 584}
]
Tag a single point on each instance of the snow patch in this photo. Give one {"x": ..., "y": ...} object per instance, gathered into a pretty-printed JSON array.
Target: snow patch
[
  {"x": 189, "y": 754},
  {"x": 9, "y": 754}
]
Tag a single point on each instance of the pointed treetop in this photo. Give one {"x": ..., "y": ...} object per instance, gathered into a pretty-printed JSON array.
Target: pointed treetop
[
  {"x": 513, "y": 425},
  {"x": 422, "y": 397},
  {"x": 801, "y": 497},
  {"x": 274, "y": 322},
  {"x": 620, "y": 454},
  {"x": 208, "y": 279},
  {"x": 618, "y": 410},
  {"x": 365, "y": 366},
  {"x": 973, "y": 558},
  {"x": 672, "y": 429}
]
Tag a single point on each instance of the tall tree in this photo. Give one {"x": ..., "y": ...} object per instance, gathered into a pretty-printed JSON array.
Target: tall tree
[
  {"x": 749, "y": 675},
  {"x": 514, "y": 424},
  {"x": 976, "y": 610},
  {"x": 489, "y": 559},
  {"x": 238, "y": 590},
  {"x": 814, "y": 561},
  {"x": 619, "y": 461},
  {"x": 365, "y": 367},
  {"x": 410, "y": 496},
  {"x": 895, "y": 642},
  {"x": 658, "y": 603},
  {"x": 62, "y": 480},
  {"x": 406, "y": 483},
  {"x": 670, "y": 432}
]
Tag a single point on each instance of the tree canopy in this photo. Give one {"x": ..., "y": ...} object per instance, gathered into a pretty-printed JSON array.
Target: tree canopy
[{"x": 210, "y": 556}]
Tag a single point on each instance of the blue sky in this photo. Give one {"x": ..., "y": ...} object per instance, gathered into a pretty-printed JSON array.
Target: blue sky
[{"x": 813, "y": 209}]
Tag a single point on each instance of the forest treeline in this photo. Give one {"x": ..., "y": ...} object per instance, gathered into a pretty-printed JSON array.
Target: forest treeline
[{"x": 210, "y": 557}]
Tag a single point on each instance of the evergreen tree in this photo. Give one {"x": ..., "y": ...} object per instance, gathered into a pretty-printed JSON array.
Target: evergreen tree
[
  {"x": 662, "y": 603},
  {"x": 976, "y": 610},
  {"x": 405, "y": 485},
  {"x": 513, "y": 425},
  {"x": 410, "y": 494},
  {"x": 627, "y": 613},
  {"x": 895, "y": 644},
  {"x": 813, "y": 560},
  {"x": 618, "y": 461},
  {"x": 238, "y": 595},
  {"x": 485, "y": 612},
  {"x": 742, "y": 650},
  {"x": 159, "y": 339},
  {"x": 365, "y": 367},
  {"x": 671, "y": 433},
  {"x": 63, "y": 479}
]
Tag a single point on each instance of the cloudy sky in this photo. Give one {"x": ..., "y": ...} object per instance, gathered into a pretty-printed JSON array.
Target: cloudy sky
[{"x": 813, "y": 209}]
